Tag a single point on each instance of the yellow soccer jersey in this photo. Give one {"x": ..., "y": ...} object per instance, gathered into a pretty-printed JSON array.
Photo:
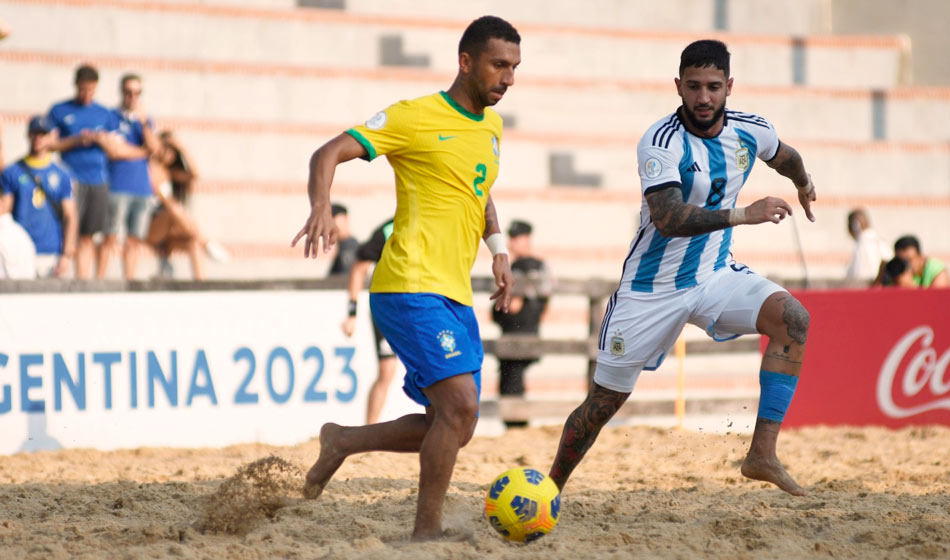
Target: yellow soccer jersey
[{"x": 445, "y": 160}]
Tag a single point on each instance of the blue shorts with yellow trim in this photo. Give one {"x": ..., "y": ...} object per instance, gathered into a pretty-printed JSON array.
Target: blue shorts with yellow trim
[{"x": 434, "y": 337}]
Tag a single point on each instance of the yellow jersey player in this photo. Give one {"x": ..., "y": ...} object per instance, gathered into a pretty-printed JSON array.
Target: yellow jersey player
[{"x": 444, "y": 149}]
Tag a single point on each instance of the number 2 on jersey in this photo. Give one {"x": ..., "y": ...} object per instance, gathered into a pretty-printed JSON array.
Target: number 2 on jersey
[{"x": 481, "y": 170}]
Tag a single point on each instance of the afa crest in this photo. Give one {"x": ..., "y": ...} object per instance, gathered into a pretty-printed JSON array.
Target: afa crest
[
  {"x": 743, "y": 159},
  {"x": 617, "y": 345}
]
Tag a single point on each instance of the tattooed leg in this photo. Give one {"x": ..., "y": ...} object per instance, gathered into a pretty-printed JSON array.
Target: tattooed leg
[
  {"x": 785, "y": 321},
  {"x": 581, "y": 429}
]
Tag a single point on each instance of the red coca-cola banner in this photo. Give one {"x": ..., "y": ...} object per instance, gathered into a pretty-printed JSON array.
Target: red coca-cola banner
[{"x": 875, "y": 357}]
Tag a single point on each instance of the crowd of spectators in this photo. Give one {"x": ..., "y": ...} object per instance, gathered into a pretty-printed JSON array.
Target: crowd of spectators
[
  {"x": 117, "y": 177},
  {"x": 873, "y": 263}
]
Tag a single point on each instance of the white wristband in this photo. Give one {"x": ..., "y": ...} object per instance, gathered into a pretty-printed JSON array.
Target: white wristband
[
  {"x": 736, "y": 216},
  {"x": 496, "y": 244}
]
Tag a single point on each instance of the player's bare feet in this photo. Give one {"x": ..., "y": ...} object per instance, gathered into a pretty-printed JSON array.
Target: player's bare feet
[
  {"x": 427, "y": 535},
  {"x": 330, "y": 459},
  {"x": 770, "y": 470}
]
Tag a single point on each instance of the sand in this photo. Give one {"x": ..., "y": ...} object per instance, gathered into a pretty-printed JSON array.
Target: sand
[{"x": 652, "y": 493}]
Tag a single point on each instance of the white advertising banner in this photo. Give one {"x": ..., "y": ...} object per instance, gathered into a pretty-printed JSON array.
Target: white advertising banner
[{"x": 183, "y": 369}]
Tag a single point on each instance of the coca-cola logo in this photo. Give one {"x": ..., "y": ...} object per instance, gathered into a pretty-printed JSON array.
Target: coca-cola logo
[{"x": 922, "y": 370}]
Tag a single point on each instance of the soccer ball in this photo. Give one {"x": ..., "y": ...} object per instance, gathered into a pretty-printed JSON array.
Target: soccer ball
[{"x": 523, "y": 504}]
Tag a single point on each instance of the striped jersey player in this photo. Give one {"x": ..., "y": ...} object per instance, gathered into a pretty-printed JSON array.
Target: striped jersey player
[
  {"x": 709, "y": 172},
  {"x": 692, "y": 165}
]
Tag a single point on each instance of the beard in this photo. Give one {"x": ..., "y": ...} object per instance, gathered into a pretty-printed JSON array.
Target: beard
[
  {"x": 485, "y": 100},
  {"x": 704, "y": 125}
]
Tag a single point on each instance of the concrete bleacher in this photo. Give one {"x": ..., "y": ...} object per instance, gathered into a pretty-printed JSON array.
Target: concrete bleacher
[
  {"x": 253, "y": 86},
  {"x": 353, "y": 40}
]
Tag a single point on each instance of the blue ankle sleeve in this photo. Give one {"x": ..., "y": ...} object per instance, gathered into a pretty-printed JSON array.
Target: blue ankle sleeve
[{"x": 777, "y": 390}]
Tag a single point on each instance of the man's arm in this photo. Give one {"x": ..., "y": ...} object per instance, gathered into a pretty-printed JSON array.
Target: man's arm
[
  {"x": 500, "y": 267},
  {"x": 675, "y": 218},
  {"x": 84, "y": 138},
  {"x": 788, "y": 162},
  {"x": 940, "y": 281},
  {"x": 6, "y": 203},
  {"x": 319, "y": 227},
  {"x": 354, "y": 286},
  {"x": 152, "y": 143},
  {"x": 491, "y": 220},
  {"x": 116, "y": 147},
  {"x": 70, "y": 235}
]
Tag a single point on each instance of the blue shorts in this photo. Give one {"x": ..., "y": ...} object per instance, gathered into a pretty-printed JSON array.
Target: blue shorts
[{"x": 434, "y": 337}]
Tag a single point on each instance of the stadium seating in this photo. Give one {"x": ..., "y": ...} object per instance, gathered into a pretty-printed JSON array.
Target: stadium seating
[{"x": 253, "y": 86}]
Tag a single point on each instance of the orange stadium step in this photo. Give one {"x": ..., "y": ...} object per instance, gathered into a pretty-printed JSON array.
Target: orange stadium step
[
  {"x": 351, "y": 38},
  {"x": 298, "y": 94},
  {"x": 258, "y": 151}
]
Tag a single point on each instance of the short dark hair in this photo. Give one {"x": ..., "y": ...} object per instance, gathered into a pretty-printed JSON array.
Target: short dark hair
[
  {"x": 128, "y": 78},
  {"x": 892, "y": 271},
  {"x": 519, "y": 227},
  {"x": 905, "y": 242},
  {"x": 87, "y": 73},
  {"x": 337, "y": 209},
  {"x": 705, "y": 53},
  {"x": 478, "y": 33}
]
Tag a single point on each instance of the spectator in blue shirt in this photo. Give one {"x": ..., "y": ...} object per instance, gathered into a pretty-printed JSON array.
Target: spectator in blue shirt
[
  {"x": 38, "y": 192},
  {"x": 130, "y": 199},
  {"x": 78, "y": 121}
]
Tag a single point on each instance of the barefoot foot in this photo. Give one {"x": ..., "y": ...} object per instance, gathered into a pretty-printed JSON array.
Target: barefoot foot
[
  {"x": 424, "y": 535},
  {"x": 770, "y": 470},
  {"x": 330, "y": 459}
]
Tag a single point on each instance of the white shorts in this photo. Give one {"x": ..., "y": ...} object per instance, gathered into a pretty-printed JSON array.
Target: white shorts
[{"x": 640, "y": 328}]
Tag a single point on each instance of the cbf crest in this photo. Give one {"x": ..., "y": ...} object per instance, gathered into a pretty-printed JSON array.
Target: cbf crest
[
  {"x": 743, "y": 158},
  {"x": 494, "y": 145},
  {"x": 447, "y": 341}
]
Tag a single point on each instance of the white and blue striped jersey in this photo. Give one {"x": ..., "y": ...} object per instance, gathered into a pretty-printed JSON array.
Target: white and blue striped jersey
[{"x": 710, "y": 172}]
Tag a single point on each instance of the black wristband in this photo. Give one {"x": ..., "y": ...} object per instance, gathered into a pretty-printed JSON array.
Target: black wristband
[{"x": 351, "y": 308}]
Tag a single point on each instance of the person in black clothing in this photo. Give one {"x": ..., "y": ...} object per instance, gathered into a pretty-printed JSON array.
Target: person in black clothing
[
  {"x": 347, "y": 244},
  {"x": 367, "y": 255},
  {"x": 528, "y": 304}
]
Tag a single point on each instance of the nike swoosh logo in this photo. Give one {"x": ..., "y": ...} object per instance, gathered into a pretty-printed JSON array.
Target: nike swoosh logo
[{"x": 444, "y": 138}]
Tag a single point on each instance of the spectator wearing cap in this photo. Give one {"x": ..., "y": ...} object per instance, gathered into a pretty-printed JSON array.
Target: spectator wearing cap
[
  {"x": 38, "y": 193},
  {"x": 928, "y": 271},
  {"x": 79, "y": 121},
  {"x": 130, "y": 197},
  {"x": 346, "y": 245},
  {"x": 529, "y": 302}
]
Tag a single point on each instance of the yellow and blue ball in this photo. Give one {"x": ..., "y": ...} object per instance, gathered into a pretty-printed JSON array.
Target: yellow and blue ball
[{"x": 523, "y": 504}]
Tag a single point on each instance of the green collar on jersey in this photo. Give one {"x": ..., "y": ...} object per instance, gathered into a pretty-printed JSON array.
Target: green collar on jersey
[{"x": 460, "y": 109}]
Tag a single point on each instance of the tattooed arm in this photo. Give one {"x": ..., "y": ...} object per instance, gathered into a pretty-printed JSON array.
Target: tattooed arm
[
  {"x": 491, "y": 219},
  {"x": 675, "y": 218},
  {"x": 788, "y": 162}
]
